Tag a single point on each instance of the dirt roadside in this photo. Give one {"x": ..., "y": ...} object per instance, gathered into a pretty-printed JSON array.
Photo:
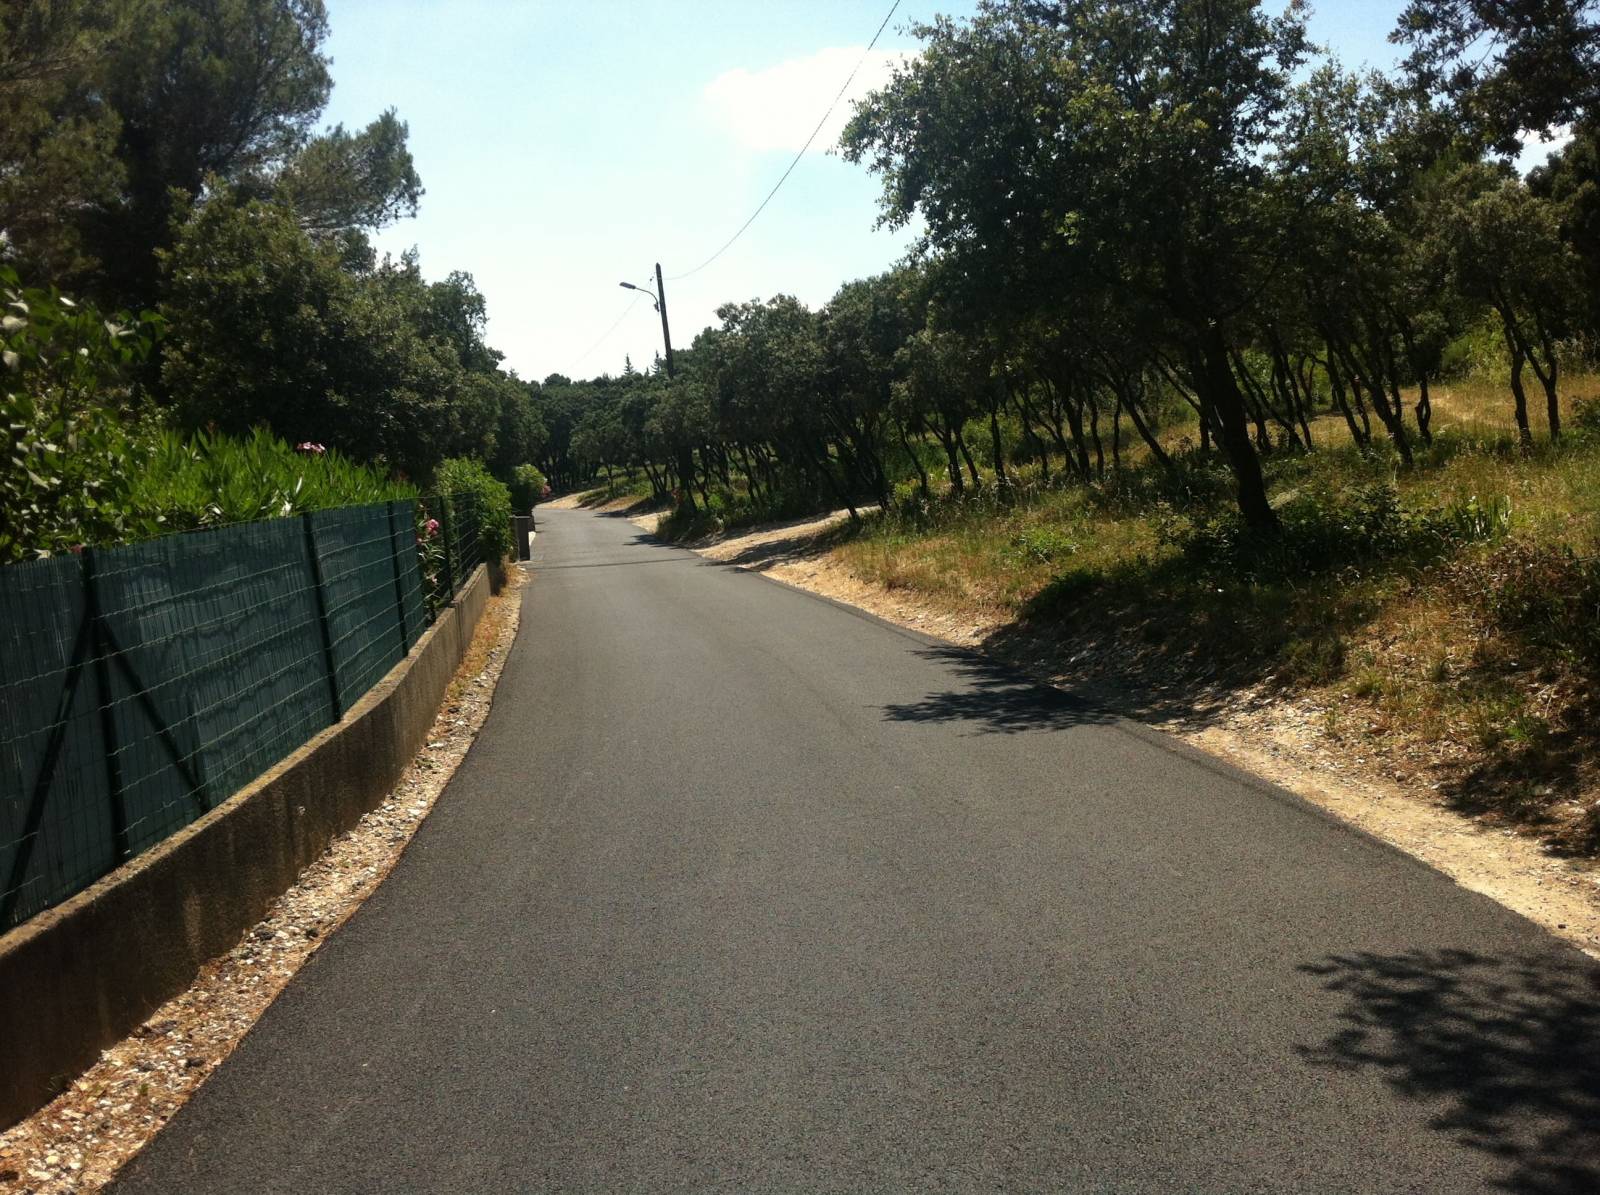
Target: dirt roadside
[
  {"x": 76, "y": 1144},
  {"x": 1279, "y": 738}
]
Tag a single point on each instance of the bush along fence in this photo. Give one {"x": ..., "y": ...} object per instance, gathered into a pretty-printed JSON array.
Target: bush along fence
[{"x": 142, "y": 685}]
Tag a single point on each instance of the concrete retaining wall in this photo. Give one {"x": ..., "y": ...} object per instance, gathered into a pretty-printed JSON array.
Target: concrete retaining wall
[{"x": 81, "y": 976}]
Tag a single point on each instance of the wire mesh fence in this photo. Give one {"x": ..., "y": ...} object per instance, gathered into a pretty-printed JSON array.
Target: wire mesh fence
[{"x": 142, "y": 685}]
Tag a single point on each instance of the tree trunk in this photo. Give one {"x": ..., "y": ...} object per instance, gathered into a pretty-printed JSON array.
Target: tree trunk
[
  {"x": 1548, "y": 373},
  {"x": 1222, "y": 391},
  {"x": 995, "y": 446},
  {"x": 1392, "y": 418},
  {"x": 1288, "y": 381},
  {"x": 658, "y": 487},
  {"x": 686, "y": 478},
  {"x": 1030, "y": 432},
  {"x": 952, "y": 460},
  {"x": 1262, "y": 405},
  {"x": 1116, "y": 436},
  {"x": 916, "y": 463},
  {"x": 1424, "y": 407},
  {"x": 1393, "y": 371},
  {"x": 966, "y": 454},
  {"x": 1080, "y": 451},
  {"x": 1094, "y": 437},
  {"x": 1518, "y": 394},
  {"x": 1148, "y": 437},
  {"x": 1336, "y": 386}
]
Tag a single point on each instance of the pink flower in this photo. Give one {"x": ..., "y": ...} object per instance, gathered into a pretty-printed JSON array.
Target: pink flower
[
  {"x": 310, "y": 449},
  {"x": 431, "y": 527}
]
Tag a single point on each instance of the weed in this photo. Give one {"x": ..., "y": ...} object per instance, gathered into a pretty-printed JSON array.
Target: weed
[
  {"x": 1043, "y": 545},
  {"x": 1312, "y": 660},
  {"x": 1368, "y": 683},
  {"x": 1586, "y": 415},
  {"x": 1471, "y": 521}
]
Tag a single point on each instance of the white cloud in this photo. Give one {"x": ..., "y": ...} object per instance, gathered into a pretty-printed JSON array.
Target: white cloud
[{"x": 777, "y": 107}]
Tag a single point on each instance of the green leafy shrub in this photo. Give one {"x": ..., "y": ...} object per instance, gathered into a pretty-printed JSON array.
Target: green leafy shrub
[
  {"x": 206, "y": 480},
  {"x": 431, "y": 560},
  {"x": 1480, "y": 351},
  {"x": 1325, "y": 530},
  {"x": 73, "y": 442},
  {"x": 476, "y": 495},
  {"x": 786, "y": 502},
  {"x": 88, "y": 463},
  {"x": 1469, "y": 520},
  {"x": 1196, "y": 479},
  {"x": 1322, "y": 531},
  {"x": 1042, "y": 545},
  {"x": 528, "y": 486},
  {"x": 1586, "y": 416}
]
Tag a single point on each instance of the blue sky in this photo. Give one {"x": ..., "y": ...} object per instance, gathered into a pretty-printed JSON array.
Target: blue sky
[{"x": 568, "y": 146}]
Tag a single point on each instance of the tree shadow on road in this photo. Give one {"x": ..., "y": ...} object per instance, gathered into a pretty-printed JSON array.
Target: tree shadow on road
[
  {"x": 995, "y": 699},
  {"x": 1136, "y": 679},
  {"x": 1005, "y": 697},
  {"x": 643, "y": 506},
  {"x": 1508, "y": 1048}
]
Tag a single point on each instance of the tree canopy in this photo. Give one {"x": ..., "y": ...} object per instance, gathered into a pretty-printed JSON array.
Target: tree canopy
[
  {"x": 1130, "y": 209},
  {"x": 165, "y": 156}
]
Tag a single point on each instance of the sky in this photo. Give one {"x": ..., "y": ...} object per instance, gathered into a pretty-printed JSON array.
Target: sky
[{"x": 567, "y": 147}]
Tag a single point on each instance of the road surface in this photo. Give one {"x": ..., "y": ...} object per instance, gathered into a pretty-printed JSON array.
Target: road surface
[{"x": 739, "y": 889}]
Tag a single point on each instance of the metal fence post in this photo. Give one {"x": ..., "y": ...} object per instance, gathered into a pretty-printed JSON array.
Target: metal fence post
[
  {"x": 399, "y": 587},
  {"x": 444, "y": 539},
  {"x": 467, "y": 518},
  {"x": 11, "y": 895},
  {"x": 101, "y": 651},
  {"x": 322, "y": 617}
]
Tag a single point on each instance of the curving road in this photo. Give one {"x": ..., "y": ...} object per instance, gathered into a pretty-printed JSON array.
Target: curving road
[{"x": 741, "y": 890}]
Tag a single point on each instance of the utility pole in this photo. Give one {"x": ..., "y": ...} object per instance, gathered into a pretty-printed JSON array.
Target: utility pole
[
  {"x": 661, "y": 306},
  {"x": 685, "y": 453}
]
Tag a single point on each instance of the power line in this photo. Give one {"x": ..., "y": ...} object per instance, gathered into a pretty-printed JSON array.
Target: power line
[
  {"x": 603, "y": 337},
  {"x": 802, "y": 152},
  {"x": 606, "y": 335}
]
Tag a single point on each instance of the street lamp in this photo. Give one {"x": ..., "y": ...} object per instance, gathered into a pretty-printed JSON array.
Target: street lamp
[
  {"x": 658, "y": 299},
  {"x": 643, "y": 290}
]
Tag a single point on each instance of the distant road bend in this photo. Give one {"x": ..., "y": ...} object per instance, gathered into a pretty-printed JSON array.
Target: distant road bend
[{"x": 741, "y": 890}]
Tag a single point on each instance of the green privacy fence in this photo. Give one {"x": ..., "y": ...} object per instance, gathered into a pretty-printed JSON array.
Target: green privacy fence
[{"x": 142, "y": 685}]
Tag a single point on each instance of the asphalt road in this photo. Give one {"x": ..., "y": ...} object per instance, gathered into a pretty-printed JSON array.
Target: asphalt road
[{"x": 739, "y": 889}]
